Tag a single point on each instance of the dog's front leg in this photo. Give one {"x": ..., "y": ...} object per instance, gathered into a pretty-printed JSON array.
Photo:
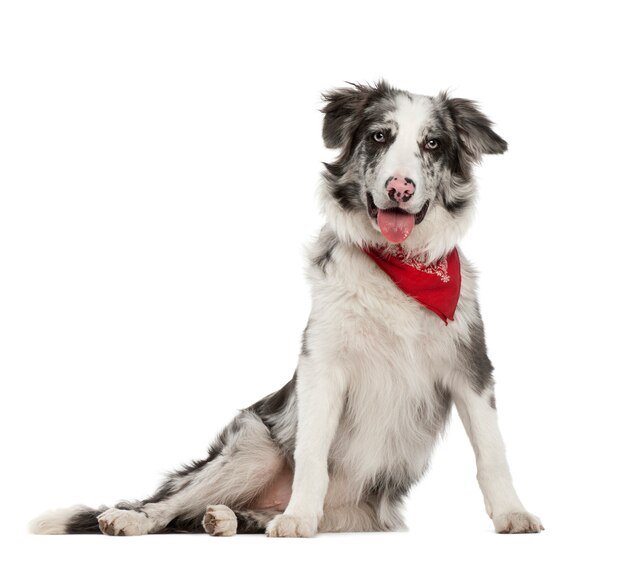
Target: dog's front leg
[
  {"x": 320, "y": 397},
  {"x": 478, "y": 413}
]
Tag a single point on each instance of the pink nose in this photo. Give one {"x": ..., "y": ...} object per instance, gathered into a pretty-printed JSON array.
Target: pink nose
[{"x": 400, "y": 189}]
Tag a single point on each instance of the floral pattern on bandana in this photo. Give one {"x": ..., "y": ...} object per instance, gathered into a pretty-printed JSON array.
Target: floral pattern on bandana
[{"x": 440, "y": 268}]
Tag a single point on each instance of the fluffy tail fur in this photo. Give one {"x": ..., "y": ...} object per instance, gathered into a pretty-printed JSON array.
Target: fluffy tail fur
[{"x": 79, "y": 519}]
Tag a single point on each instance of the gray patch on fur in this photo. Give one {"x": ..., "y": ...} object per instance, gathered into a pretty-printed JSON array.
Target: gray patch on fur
[
  {"x": 492, "y": 401},
  {"x": 348, "y": 113},
  {"x": 326, "y": 245},
  {"x": 277, "y": 411},
  {"x": 85, "y": 522},
  {"x": 304, "y": 350},
  {"x": 345, "y": 108},
  {"x": 473, "y": 355},
  {"x": 254, "y": 522}
]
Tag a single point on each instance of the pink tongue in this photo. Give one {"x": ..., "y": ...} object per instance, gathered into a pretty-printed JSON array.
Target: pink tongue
[{"x": 395, "y": 227}]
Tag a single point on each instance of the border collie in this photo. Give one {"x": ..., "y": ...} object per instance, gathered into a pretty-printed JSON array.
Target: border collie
[{"x": 394, "y": 337}]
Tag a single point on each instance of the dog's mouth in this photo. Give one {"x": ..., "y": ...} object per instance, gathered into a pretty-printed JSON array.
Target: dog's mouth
[{"x": 394, "y": 223}]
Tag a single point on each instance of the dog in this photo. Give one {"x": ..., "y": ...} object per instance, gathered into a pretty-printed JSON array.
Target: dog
[{"x": 395, "y": 336}]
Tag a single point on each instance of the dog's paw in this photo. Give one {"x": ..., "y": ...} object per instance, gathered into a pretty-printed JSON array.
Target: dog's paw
[
  {"x": 220, "y": 521},
  {"x": 123, "y": 522},
  {"x": 517, "y": 522},
  {"x": 291, "y": 526}
]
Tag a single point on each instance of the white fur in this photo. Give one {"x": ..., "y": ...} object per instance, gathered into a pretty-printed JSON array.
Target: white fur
[
  {"x": 517, "y": 522},
  {"x": 494, "y": 477},
  {"x": 122, "y": 522},
  {"x": 288, "y": 525},
  {"x": 320, "y": 392},
  {"x": 220, "y": 521}
]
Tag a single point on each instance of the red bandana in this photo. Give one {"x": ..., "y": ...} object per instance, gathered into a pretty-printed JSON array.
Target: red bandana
[{"x": 436, "y": 286}]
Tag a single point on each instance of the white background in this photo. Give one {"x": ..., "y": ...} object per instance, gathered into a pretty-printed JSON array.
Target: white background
[{"x": 159, "y": 164}]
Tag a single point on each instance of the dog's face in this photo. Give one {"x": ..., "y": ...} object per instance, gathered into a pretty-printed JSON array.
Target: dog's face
[{"x": 404, "y": 159}]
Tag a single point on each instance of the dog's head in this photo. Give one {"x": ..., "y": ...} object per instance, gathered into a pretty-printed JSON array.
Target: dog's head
[{"x": 404, "y": 173}]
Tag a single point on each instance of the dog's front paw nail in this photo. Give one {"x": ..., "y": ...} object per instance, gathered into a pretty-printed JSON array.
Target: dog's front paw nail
[
  {"x": 291, "y": 526},
  {"x": 517, "y": 522}
]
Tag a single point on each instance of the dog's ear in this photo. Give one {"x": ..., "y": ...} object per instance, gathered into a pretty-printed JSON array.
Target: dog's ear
[
  {"x": 474, "y": 129},
  {"x": 343, "y": 111}
]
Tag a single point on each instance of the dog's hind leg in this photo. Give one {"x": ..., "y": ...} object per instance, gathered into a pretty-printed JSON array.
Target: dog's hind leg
[
  {"x": 241, "y": 463},
  {"x": 243, "y": 467}
]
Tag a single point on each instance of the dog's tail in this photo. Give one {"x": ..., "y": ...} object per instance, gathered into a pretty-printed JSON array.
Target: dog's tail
[
  {"x": 83, "y": 520},
  {"x": 79, "y": 519}
]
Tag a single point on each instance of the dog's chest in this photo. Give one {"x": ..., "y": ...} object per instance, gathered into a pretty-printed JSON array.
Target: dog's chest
[
  {"x": 364, "y": 319},
  {"x": 394, "y": 354}
]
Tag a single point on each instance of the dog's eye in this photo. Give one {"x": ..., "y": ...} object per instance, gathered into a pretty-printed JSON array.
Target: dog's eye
[
  {"x": 432, "y": 144},
  {"x": 379, "y": 137}
]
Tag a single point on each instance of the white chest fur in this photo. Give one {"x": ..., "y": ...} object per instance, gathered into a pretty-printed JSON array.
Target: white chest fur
[{"x": 394, "y": 353}]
